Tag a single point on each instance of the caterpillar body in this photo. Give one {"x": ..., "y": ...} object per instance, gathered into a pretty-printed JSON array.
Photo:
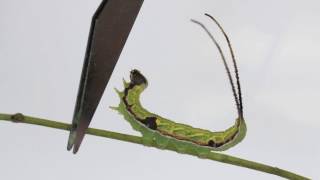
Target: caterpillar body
[
  {"x": 165, "y": 133},
  {"x": 140, "y": 118}
]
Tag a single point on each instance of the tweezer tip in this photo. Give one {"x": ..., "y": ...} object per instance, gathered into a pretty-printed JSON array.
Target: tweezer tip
[
  {"x": 75, "y": 150},
  {"x": 69, "y": 148},
  {"x": 71, "y": 140}
]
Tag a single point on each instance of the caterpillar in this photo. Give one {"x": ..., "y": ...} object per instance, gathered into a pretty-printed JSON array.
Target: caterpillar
[{"x": 165, "y": 133}]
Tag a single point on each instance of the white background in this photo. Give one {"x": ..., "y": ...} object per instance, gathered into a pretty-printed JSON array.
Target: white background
[{"x": 42, "y": 45}]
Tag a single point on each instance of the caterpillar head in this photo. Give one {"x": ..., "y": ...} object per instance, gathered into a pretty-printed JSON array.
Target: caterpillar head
[{"x": 137, "y": 78}]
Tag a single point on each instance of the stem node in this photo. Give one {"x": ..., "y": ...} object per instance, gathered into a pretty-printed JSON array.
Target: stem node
[{"x": 17, "y": 118}]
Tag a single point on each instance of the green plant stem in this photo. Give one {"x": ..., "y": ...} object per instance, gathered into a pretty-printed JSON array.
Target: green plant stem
[{"x": 20, "y": 118}]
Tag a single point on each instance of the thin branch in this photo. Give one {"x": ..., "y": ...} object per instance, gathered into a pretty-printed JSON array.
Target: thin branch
[{"x": 20, "y": 118}]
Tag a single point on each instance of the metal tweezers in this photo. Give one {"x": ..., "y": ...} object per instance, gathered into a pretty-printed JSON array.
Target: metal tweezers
[{"x": 110, "y": 28}]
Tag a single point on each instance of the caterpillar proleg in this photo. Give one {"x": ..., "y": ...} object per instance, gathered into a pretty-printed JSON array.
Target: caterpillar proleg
[{"x": 163, "y": 132}]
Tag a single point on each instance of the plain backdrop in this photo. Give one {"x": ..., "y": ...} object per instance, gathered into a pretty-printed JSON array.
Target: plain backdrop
[{"x": 42, "y": 45}]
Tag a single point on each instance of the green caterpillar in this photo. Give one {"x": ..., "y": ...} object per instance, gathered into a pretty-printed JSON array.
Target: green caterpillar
[{"x": 166, "y": 133}]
